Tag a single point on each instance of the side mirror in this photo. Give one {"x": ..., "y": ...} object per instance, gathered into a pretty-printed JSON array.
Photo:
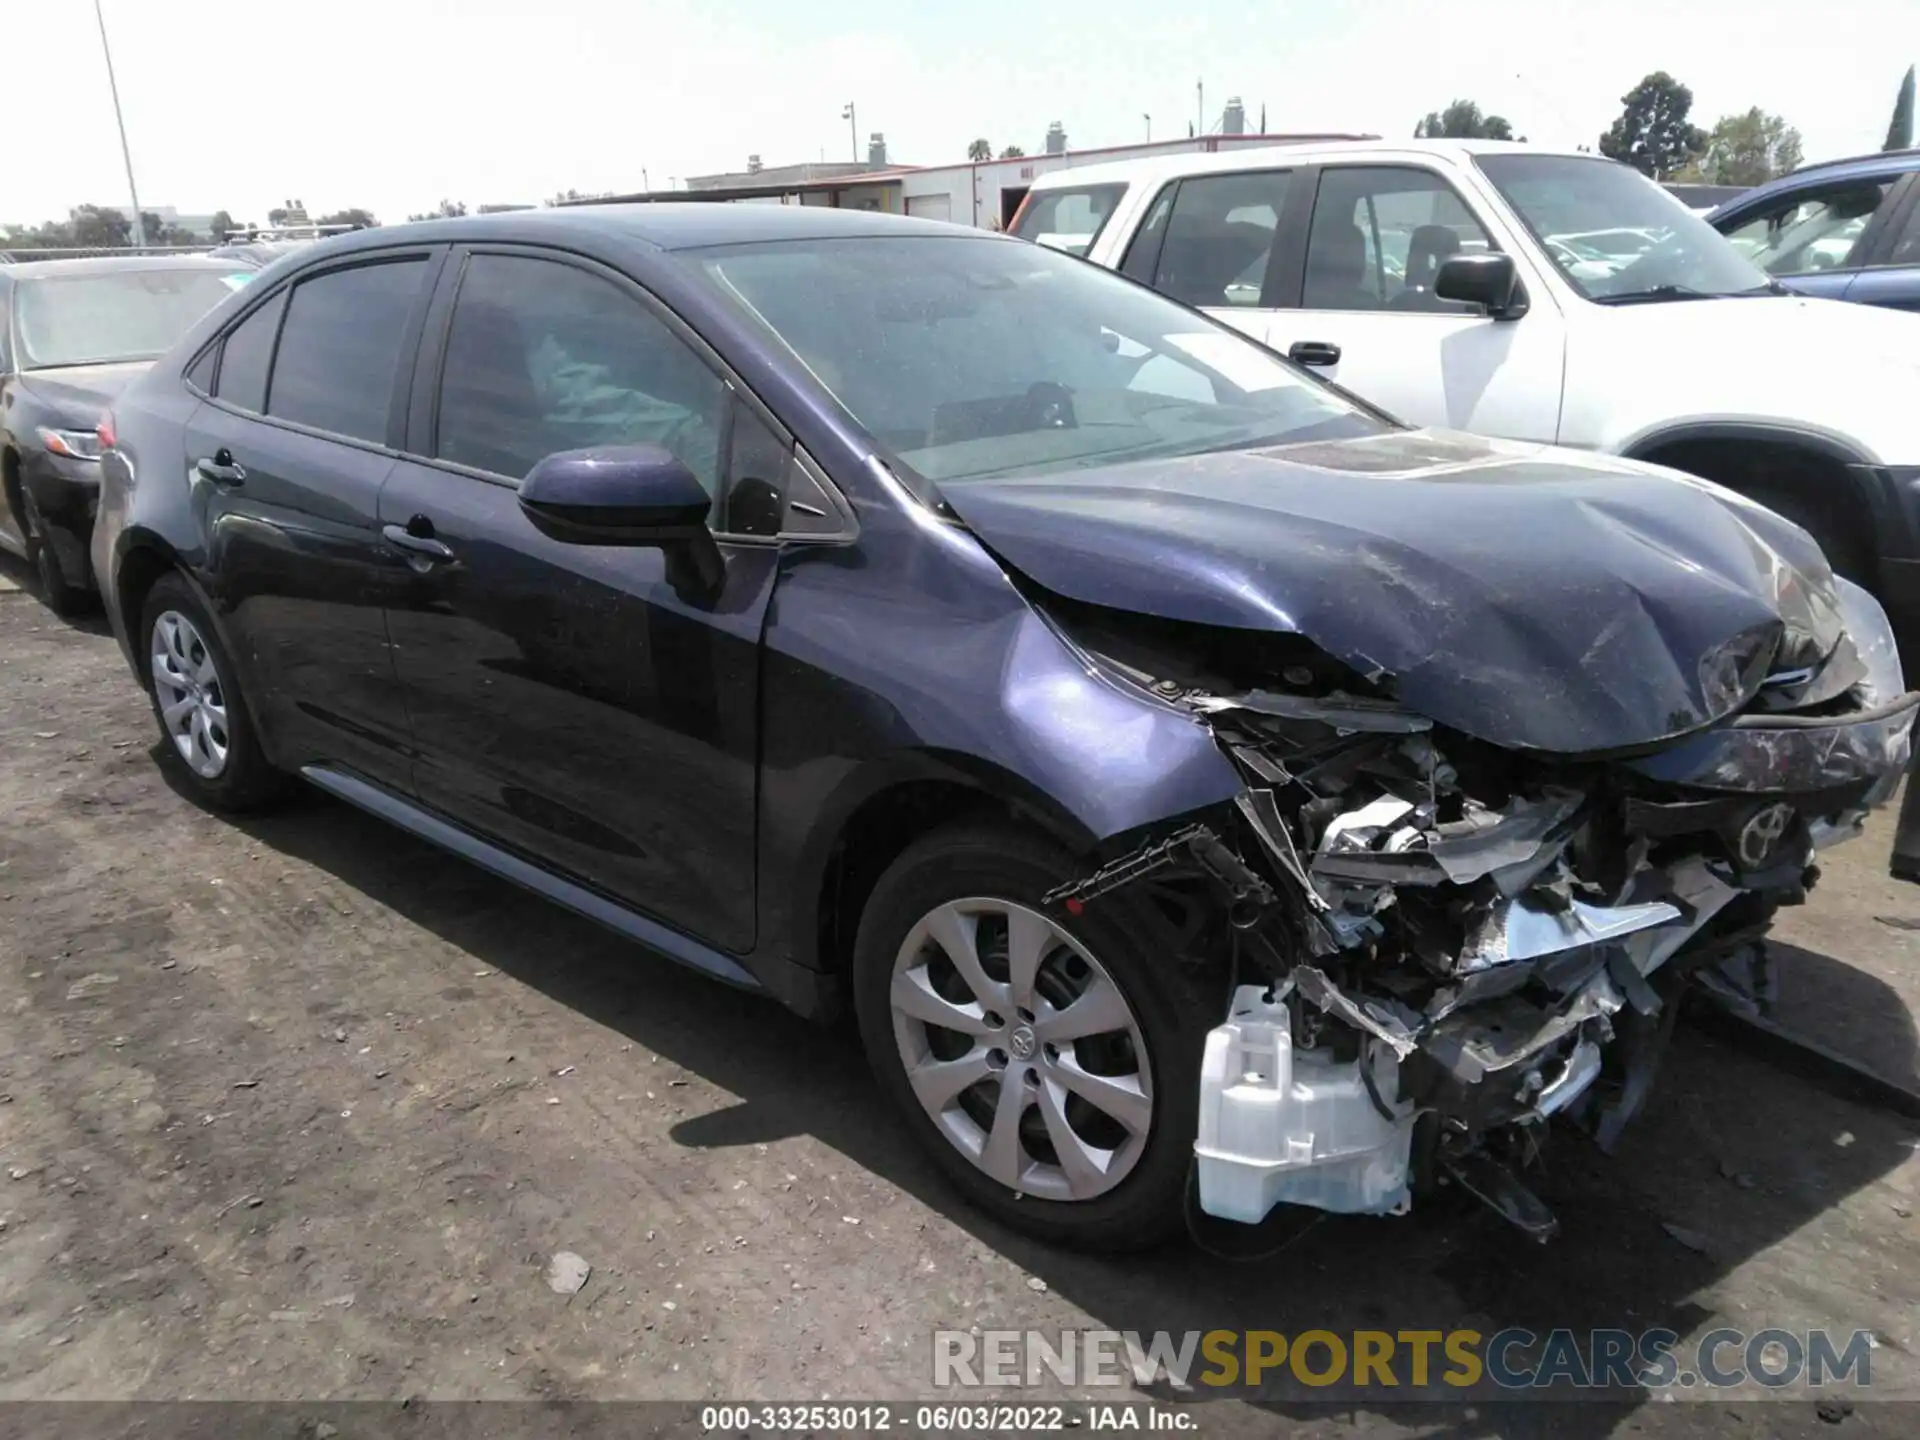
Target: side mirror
[
  {"x": 1487, "y": 279},
  {"x": 633, "y": 495}
]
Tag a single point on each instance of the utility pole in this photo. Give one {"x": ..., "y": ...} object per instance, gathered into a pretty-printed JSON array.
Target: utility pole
[
  {"x": 1149, "y": 120},
  {"x": 853, "y": 129},
  {"x": 139, "y": 224},
  {"x": 1200, "y": 105}
]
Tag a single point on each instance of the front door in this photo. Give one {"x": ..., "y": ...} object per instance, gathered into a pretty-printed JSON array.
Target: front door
[
  {"x": 287, "y": 461},
  {"x": 1368, "y": 317},
  {"x": 569, "y": 702}
]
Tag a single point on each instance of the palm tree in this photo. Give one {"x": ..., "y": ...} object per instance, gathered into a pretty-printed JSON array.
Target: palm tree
[{"x": 979, "y": 150}]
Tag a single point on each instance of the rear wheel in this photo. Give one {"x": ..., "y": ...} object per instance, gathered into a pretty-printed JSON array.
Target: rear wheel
[
  {"x": 1049, "y": 1064},
  {"x": 197, "y": 701}
]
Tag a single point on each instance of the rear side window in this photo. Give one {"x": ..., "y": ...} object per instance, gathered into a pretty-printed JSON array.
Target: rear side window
[
  {"x": 1220, "y": 239},
  {"x": 1070, "y": 218},
  {"x": 544, "y": 357},
  {"x": 246, "y": 356},
  {"x": 340, "y": 346}
]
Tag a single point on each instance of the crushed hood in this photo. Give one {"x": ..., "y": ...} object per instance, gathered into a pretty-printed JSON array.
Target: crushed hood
[{"x": 1532, "y": 597}]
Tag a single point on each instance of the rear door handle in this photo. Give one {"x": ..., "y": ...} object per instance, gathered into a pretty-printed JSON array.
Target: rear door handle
[
  {"x": 1313, "y": 352},
  {"x": 422, "y": 545},
  {"x": 220, "y": 468}
]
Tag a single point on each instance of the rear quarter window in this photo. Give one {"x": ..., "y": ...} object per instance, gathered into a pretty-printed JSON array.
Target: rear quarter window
[{"x": 1069, "y": 218}]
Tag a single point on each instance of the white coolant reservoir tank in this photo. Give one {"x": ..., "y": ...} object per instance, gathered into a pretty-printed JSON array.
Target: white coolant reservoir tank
[{"x": 1286, "y": 1126}]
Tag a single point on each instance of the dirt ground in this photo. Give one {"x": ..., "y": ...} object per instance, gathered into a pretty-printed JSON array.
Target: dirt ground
[{"x": 301, "y": 1109}]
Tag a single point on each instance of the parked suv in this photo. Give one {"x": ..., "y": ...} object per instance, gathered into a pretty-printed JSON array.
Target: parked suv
[
  {"x": 1846, "y": 230},
  {"x": 1511, "y": 291},
  {"x": 1169, "y": 759}
]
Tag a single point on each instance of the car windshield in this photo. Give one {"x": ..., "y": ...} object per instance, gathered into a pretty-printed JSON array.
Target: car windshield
[
  {"x": 116, "y": 315},
  {"x": 967, "y": 357},
  {"x": 1617, "y": 236}
]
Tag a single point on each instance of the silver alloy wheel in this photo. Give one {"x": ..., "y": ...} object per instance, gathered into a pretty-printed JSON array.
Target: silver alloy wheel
[
  {"x": 192, "y": 696},
  {"x": 1022, "y": 1049}
]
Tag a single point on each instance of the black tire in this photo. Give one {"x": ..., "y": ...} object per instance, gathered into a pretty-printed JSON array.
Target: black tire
[
  {"x": 1132, "y": 942},
  {"x": 1829, "y": 525},
  {"x": 57, "y": 589},
  {"x": 247, "y": 781}
]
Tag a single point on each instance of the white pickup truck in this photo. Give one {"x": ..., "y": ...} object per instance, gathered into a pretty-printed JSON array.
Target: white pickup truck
[{"x": 1560, "y": 298}]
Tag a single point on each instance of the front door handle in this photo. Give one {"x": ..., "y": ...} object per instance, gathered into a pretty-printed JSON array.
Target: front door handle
[
  {"x": 409, "y": 538},
  {"x": 220, "y": 468},
  {"x": 1313, "y": 352}
]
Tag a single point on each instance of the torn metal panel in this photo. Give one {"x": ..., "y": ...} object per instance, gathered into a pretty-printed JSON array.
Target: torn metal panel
[
  {"x": 1516, "y": 930},
  {"x": 1382, "y": 1019}
]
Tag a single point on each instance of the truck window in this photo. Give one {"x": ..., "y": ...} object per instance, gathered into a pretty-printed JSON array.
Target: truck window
[
  {"x": 1379, "y": 235},
  {"x": 1220, "y": 239},
  {"x": 1070, "y": 218}
]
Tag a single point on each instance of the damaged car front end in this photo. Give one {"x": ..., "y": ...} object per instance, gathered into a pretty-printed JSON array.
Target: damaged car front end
[{"x": 1527, "y": 744}]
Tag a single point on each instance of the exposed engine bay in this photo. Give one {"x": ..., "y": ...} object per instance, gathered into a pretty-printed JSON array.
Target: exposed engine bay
[{"x": 1437, "y": 943}]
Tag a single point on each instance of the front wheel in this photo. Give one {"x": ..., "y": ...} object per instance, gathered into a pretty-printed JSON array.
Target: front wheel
[
  {"x": 57, "y": 588},
  {"x": 203, "y": 717},
  {"x": 1049, "y": 1064}
]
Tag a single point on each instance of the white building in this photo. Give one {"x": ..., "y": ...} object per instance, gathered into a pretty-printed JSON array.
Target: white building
[{"x": 984, "y": 192}]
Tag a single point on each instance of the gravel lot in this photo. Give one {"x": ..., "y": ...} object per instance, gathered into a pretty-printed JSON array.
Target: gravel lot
[{"x": 301, "y": 1108}]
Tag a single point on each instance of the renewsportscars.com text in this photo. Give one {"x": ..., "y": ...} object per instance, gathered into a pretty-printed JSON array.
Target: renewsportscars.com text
[{"x": 1447, "y": 1363}]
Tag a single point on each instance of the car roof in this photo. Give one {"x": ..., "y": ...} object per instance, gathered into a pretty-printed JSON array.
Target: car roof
[
  {"x": 1255, "y": 157},
  {"x": 1885, "y": 164},
  {"x": 111, "y": 264},
  {"x": 670, "y": 225}
]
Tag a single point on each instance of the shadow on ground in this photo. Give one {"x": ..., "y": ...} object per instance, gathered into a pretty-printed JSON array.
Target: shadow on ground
[{"x": 1732, "y": 1154}]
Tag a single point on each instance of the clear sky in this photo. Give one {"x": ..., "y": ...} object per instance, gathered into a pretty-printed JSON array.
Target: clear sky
[{"x": 393, "y": 104}]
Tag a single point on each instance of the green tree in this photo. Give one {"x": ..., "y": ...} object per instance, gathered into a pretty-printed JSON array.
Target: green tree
[
  {"x": 979, "y": 150},
  {"x": 1900, "y": 130},
  {"x": 445, "y": 210},
  {"x": 1012, "y": 152},
  {"x": 278, "y": 215},
  {"x": 564, "y": 197},
  {"x": 94, "y": 226},
  {"x": 221, "y": 223},
  {"x": 1462, "y": 120},
  {"x": 1748, "y": 149},
  {"x": 1653, "y": 133},
  {"x": 355, "y": 216}
]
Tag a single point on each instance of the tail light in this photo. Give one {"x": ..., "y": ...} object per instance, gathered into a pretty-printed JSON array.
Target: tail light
[{"x": 105, "y": 431}]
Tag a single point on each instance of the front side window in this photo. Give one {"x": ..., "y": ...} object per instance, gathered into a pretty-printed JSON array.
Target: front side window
[
  {"x": 1379, "y": 236},
  {"x": 544, "y": 357},
  {"x": 340, "y": 347},
  {"x": 1619, "y": 238},
  {"x": 1807, "y": 233},
  {"x": 1068, "y": 219},
  {"x": 116, "y": 315},
  {"x": 966, "y": 357},
  {"x": 1219, "y": 239}
]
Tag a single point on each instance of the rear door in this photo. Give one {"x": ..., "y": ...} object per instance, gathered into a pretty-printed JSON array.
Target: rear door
[
  {"x": 1365, "y": 313},
  {"x": 569, "y": 701},
  {"x": 1890, "y": 274},
  {"x": 1215, "y": 242},
  {"x": 286, "y": 459}
]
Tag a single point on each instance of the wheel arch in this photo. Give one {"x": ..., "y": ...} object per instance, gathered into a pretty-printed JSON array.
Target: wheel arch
[
  {"x": 1828, "y": 471},
  {"x": 877, "y": 813}
]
